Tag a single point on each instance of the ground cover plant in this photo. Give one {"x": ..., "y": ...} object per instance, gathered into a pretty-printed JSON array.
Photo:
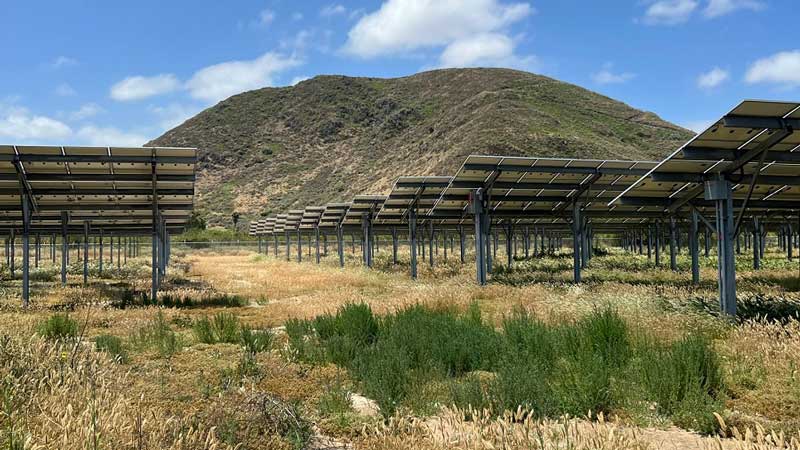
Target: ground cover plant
[
  {"x": 266, "y": 378},
  {"x": 593, "y": 364}
]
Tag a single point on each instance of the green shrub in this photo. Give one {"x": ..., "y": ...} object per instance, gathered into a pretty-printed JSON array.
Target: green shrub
[
  {"x": 344, "y": 334},
  {"x": 203, "y": 331},
  {"x": 226, "y": 327},
  {"x": 222, "y": 328},
  {"x": 302, "y": 342},
  {"x": 441, "y": 340},
  {"x": 335, "y": 400},
  {"x": 469, "y": 392},
  {"x": 523, "y": 383},
  {"x": 111, "y": 345},
  {"x": 385, "y": 375},
  {"x": 157, "y": 335},
  {"x": 589, "y": 365},
  {"x": 685, "y": 382},
  {"x": 256, "y": 341},
  {"x": 58, "y": 326}
]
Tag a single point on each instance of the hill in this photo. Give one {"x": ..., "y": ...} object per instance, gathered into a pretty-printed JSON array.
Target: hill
[{"x": 331, "y": 137}]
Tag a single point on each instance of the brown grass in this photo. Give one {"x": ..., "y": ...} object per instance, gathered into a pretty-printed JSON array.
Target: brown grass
[{"x": 195, "y": 399}]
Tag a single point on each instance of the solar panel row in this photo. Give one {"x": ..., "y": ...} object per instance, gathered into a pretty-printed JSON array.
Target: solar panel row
[
  {"x": 747, "y": 160},
  {"x": 94, "y": 190}
]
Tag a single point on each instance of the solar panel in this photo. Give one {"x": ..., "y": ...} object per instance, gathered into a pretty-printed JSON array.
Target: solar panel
[
  {"x": 361, "y": 205},
  {"x": 333, "y": 214},
  {"x": 733, "y": 148},
  {"x": 537, "y": 190},
  {"x": 269, "y": 225},
  {"x": 421, "y": 191},
  {"x": 311, "y": 216},
  {"x": 112, "y": 187}
]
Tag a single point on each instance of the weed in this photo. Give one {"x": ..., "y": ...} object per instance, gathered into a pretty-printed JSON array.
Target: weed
[
  {"x": 58, "y": 326},
  {"x": 335, "y": 400},
  {"x": 255, "y": 341},
  {"x": 684, "y": 381},
  {"x": 113, "y": 346},
  {"x": 302, "y": 342},
  {"x": 157, "y": 335},
  {"x": 222, "y": 328}
]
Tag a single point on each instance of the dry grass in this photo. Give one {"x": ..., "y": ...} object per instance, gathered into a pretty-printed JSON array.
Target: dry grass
[
  {"x": 484, "y": 431},
  {"x": 198, "y": 398}
]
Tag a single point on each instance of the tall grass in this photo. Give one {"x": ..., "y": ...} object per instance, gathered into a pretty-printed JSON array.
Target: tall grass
[
  {"x": 226, "y": 328},
  {"x": 222, "y": 327},
  {"x": 157, "y": 335},
  {"x": 113, "y": 346},
  {"x": 58, "y": 326},
  {"x": 594, "y": 364}
]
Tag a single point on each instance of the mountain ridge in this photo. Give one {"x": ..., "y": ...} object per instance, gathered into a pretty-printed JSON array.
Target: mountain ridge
[{"x": 331, "y": 137}]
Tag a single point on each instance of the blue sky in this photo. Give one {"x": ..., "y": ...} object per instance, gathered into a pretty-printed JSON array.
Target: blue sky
[{"x": 121, "y": 73}]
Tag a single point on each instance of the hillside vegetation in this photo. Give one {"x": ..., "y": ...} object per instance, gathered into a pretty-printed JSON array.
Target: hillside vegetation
[{"x": 331, "y": 137}]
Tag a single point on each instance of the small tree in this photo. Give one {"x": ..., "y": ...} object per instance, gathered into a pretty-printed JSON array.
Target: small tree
[
  {"x": 196, "y": 221},
  {"x": 235, "y": 218}
]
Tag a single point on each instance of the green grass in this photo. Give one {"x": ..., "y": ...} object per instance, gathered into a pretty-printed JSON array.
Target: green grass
[
  {"x": 221, "y": 328},
  {"x": 113, "y": 346},
  {"x": 255, "y": 341},
  {"x": 58, "y": 327},
  {"x": 221, "y": 300},
  {"x": 421, "y": 356},
  {"x": 157, "y": 335}
]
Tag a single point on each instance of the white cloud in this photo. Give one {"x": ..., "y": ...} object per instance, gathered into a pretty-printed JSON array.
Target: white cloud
[
  {"x": 139, "y": 87},
  {"x": 266, "y": 16},
  {"x": 484, "y": 50},
  {"x": 712, "y": 78},
  {"x": 214, "y": 83},
  {"x": 781, "y": 68},
  {"x": 407, "y": 25},
  {"x": 332, "y": 10},
  {"x": 718, "y": 8},
  {"x": 174, "y": 114},
  {"x": 18, "y": 124},
  {"x": 86, "y": 111},
  {"x": 669, "y": 12},
  {"x": 108, "y": 136},
  {"x": 698, "y": 126},
  {"x": 606, "y": 75},
  {"x": 65, "y": 90},
  {"x": 356, "y": 13},
  {"x": 298, "y": 79},
  {"x": 63, "y": 61}
]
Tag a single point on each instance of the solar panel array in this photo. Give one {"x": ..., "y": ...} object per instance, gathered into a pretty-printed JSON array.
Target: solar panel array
[
  {"x": 726, "y": 149},
  {"x": 111, "y": 187},
  {"x": 614, "y": 193}
]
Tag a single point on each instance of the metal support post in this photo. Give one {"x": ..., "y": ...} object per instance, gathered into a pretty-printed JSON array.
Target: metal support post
[
  {"x": 576, "y": 242},
  {"x": 720, "y": 191},
  {"x": 316, "y": 243},
  {"x": 673, "y": 251},
  {"x": 461, "y": 243},
  {"x": 694, "y": 247},
  {"x": 481, "y": 247},
  {"x": 756, "y": 244},
  {"x": 64, "y": 249},
  {"x": 85, "y": 252},
  {"x": 412, "y": 239}
]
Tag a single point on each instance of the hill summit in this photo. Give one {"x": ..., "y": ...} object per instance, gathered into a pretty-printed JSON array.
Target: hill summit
[{"x": 331, "y": 137}]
